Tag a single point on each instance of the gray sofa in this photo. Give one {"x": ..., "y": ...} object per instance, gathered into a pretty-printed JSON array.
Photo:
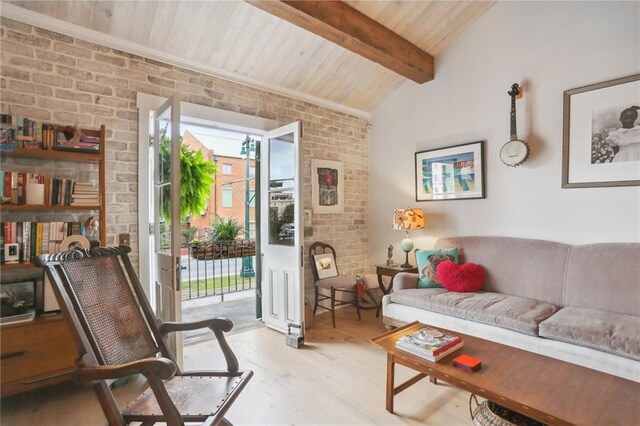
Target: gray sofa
[{"x": 580, "y": 304}]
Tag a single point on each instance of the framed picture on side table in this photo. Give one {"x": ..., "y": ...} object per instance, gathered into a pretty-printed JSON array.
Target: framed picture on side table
[
  {"x": 451, "y": 173},
  {"x": 601, "y": 134}
]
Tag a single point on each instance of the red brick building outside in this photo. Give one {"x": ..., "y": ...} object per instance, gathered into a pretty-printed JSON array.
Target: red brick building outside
[{"x": 228, "y": 192}]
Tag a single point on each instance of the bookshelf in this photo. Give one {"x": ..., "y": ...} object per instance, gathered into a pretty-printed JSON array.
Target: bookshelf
[
  {"x": 41, "y": 352},
  {"x": 50, "y": 154},
  {"x": 66, "y": 156}
]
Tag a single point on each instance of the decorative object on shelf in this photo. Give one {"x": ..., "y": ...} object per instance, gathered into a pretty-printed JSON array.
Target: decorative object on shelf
[
  {"x": 11, "y": 253},
  {"x": 390, "y": 255},
  {"x": 406, "y": 219},
  {"x": 7, "y": 133},
  {"x": 35, "y": 194},
  {"x": 75, "y": 241},
  {"x": 72, "y": 139},
  {"x": 327, "y": 186},
  {"x": 451, "y": 173},
  {"x": 514, "y": 152},
  {"x": 601, "y": 134},
  {"x": 91, "y": 228}
]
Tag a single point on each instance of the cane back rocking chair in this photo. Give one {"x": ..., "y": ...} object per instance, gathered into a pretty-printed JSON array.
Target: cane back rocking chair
[{"x": 117, "y": 335}]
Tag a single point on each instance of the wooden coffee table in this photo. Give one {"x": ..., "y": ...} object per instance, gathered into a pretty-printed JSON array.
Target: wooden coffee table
[{"x": 546, "y": 389}]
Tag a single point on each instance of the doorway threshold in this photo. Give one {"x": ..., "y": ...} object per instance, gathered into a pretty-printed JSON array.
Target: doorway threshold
[{"x": 239, "y": 307}]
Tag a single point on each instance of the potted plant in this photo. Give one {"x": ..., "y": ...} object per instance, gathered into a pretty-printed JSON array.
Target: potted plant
[
  {"x": 197, "y": 174},
  {"x": 221, "y": 242}
]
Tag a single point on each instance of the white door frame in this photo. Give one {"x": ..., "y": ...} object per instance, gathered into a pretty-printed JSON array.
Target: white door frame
[{"x": 146, "y": 104}]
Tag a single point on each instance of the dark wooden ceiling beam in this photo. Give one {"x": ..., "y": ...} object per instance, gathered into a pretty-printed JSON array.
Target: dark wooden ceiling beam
[{"x": 351, "y": 29}]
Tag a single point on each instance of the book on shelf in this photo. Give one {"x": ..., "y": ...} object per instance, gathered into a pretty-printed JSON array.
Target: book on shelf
[
  {"x": 53, "y": 192},
  {"x": 25, "y": 133},
  {"x": 430, "y": 343},
  {"x": 36, "y": 238}
]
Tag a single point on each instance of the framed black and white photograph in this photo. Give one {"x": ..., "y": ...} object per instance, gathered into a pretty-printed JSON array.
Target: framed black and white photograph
[
  {"x": 327, "y": 186},
  {"x": 601, "y": 140},
  {"x": 450, "y": 173}
]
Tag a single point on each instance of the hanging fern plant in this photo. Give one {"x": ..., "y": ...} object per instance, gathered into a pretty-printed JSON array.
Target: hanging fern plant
[{"x": 196, "y": 177}]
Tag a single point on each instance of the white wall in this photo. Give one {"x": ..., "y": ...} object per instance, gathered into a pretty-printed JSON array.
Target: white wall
[{"x": 548, "y": 47}]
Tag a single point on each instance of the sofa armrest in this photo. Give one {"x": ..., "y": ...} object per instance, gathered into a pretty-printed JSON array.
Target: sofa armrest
[{"x": 405, "y": 280}]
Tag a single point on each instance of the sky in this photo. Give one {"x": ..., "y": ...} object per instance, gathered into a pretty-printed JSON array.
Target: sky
[
  {"x": 229, "y": 143},
  {"x": 223, "y": 142}
]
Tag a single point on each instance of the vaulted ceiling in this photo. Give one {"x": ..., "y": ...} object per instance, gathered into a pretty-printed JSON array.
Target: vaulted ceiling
[{"x": 234, "y": 37}]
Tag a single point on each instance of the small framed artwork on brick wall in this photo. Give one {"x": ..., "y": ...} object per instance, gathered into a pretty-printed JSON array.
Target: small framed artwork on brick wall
[{"x": 327, "y": 186}]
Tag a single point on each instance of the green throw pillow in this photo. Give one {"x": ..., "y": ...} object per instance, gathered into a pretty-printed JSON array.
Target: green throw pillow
[{"x": 428, "y": 261}]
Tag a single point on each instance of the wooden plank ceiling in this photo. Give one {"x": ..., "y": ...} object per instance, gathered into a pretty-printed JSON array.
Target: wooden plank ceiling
[{"x": 235, "y": 37}]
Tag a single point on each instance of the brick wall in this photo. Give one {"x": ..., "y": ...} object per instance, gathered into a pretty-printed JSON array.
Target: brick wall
[{"x": 52, "y": 77}]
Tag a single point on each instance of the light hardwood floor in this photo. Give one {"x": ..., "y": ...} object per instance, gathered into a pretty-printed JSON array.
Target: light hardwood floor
[{"x": 338, "y": 378}]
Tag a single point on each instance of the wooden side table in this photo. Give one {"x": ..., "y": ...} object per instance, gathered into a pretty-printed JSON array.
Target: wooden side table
[{"x": 390, "y": 271}]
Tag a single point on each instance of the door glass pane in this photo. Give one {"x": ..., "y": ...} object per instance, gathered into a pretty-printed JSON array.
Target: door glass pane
[
  {"x": 281, "y": 191},
  {"x": 162, "y": 154},
  {"x": 164, "y": 146},
  {"x": 164, "y": 223}
]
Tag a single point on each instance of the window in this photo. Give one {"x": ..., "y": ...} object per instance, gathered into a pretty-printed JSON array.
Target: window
[
  {"x": 227, "y": 169},
  {"x": 227, "y": 197},
  {"x": 252, "y": 198},
  {"x": 252, "y": 171}
]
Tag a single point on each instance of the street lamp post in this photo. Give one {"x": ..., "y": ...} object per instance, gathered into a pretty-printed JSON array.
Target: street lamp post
[{"x": 248, "y": 146}]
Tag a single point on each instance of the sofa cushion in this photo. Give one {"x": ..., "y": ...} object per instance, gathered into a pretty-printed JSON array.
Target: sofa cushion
[
  {"x": 604, "y": 276},
  {"x": 517, "y": 266},
  {"x": 428, "y": 261},
  {"x": 611, "y": 332},
  {"x": 340, "y": 282},
  {"x": 511, "y": 312}
]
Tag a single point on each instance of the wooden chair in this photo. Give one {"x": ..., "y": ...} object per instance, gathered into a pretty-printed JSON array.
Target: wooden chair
[
  {"x": 117, "y": 335},
  {"x": 326, "y": 277}
]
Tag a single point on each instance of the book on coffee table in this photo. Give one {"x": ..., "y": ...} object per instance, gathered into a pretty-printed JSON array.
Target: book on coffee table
[{"x": 430, "y": 343}]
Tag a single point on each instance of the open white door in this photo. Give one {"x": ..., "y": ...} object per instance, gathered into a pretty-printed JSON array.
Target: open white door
[
  {"x": 281, "y": 233},
  {"x": 166, "y": 222}
]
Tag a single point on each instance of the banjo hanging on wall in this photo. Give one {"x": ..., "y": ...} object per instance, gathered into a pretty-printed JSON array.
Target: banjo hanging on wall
[{"x": 514, "y": 152}]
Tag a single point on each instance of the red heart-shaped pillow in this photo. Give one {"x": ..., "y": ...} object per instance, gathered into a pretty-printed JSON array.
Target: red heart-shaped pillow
[{"x": 463, "y": 278}]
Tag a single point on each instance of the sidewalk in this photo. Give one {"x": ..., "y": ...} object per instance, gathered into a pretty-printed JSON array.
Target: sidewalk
[{"x": 239, "y": 307}]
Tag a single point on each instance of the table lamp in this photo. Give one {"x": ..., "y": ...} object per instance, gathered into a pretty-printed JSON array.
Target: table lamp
[{"x": 406, "y": 219}]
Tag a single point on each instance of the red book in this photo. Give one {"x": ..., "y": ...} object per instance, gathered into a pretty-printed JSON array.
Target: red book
[
  {"x": 7, "y": 232},
  {"x": 22, "y": 184},
  {"x": 467, "y": 362},
  {"x": 7, "y": 185}
]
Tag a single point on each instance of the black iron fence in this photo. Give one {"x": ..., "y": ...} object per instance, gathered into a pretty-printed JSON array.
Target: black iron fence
[{"x": 216, "y": 269}]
